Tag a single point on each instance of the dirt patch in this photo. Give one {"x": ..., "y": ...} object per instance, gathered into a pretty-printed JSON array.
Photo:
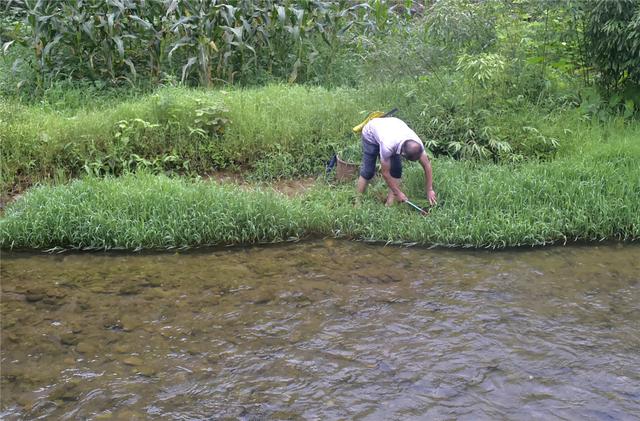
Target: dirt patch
[
  {"x": 294, "y": 187},
  {"x": 226, "y": 177},
  {"x": 290, "y": 188}
]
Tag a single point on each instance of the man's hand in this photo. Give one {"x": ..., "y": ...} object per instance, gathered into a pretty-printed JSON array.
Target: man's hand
[
  {"x": 431, "y": 195},
  {"x": 428, "y": 179},
  {"x": 401, "y": 197}
]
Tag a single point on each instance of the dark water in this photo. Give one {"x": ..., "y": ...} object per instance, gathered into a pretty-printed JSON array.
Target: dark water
[{"x": 325, "y": 330}]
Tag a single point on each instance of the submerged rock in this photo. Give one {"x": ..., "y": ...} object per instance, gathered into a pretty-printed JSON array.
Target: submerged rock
[
  {"x": 147, "y": 371},
  {"x": 112, "y": 323},
  {"x": 34, "y": 297},
  {"x": 133, "y": 361},
  {"x": 130, "y": 324},
  {"x": 86, "y": 348},
  {"x": 68, "y": 339},
  {"x": 66, "y": 392},
  {"x": 127, "y": 414},
  {"x": 122, "y": 349},
  {"x": 131, "y": 289}
]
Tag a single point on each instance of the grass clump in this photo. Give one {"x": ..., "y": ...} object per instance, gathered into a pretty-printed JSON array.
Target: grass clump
[{"x": 146, "y": 211}]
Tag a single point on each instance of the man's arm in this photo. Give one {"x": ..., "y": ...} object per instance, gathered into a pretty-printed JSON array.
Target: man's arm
[
  {"x": 391, "y": 182},
  {"x": 428, "y": 178}
]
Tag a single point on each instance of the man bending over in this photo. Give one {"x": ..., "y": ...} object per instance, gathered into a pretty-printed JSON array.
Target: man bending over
[{"x": 391, "y": 138}]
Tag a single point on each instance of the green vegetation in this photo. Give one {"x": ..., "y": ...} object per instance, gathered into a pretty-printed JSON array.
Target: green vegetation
[
  {"x": 613, "y": 31},
  {"x": 589, "y": 196},
  {"x": 177, "y": 130},
  {"x": 196, "y": 42},
  {"x": 529, "y": 109},
  {"x": 277, "y": 131}
]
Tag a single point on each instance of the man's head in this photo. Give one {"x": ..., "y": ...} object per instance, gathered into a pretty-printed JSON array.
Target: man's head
[{"x": 411, "y": 150}]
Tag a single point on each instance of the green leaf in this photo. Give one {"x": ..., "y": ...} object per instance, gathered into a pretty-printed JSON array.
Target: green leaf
[
  {"x": 282, "y": 14},
  {"x": 6, "y": 45},
  {"x": 120, "y": 45},
  {"x": 132, "y": 68},
  {"x": 190, "y": 62}
]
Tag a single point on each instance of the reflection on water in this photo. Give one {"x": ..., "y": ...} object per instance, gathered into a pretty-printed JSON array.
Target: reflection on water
[{"x": 323, "y": 330}]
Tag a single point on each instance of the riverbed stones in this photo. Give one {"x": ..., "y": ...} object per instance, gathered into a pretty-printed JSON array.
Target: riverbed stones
[
  {"x": 66, "y": 392},
  {"x": 295, "y": 337},
  {"x": 148, "y": 282},
  {"x": 122, "y": 349},
  {"x": 11, "y": 373},
  {"x": 83, "y": 305},
  {"x": 130, "y": 289},
  {"x": 68, "y": 339},
  {"x": 133, "y": 361},
  {"x": 34, "y": 297},
  {"x": 55, "y": 293},
  {"x": 112, "y": 323},
  {"x": 86, "y": 348},
  {"x": 8, "y": 321},
  {"x": 12, "y": 336},
  {"x": 128, "y": 414},
  {"x": 261, "y": 296},
  {"x": 155, "y": 293},
  {"x": 129, "y": 324},
  {"x": 75, "y": 327},
  {"x": 26, "y": 401},
  {"x": 99, "y": 289},
  {"x": 146, "y": 371},
  {"x": 267, "y": 268},
  {"x": 44, "y": 348}
]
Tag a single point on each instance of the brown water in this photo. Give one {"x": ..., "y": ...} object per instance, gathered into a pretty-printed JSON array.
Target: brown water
[{"x": 324, "y": 330}]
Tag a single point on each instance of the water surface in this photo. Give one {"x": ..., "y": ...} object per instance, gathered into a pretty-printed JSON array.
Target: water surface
[{"x": 323, "y": 330}]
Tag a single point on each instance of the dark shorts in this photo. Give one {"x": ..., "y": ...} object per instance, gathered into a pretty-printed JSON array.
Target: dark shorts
[{"x": 370, "y": 154}]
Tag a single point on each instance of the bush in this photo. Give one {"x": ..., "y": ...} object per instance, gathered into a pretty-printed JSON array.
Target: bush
[{"x": 613, "y": 31}]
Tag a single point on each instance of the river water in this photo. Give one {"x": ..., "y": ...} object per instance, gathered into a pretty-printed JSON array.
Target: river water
[{"x": 323, "y": 330}]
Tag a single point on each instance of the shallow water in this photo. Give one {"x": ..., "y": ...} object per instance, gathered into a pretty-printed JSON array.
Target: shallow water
[{"x": 323, "y": 330}]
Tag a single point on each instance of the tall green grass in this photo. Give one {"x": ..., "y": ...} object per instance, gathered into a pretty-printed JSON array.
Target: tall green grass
[
  {"x": 275, "y": 131},
  {"x": 175, "y": 129},
  {"x": 591, "y": 196},
  {"x": 146, "y": 211}
]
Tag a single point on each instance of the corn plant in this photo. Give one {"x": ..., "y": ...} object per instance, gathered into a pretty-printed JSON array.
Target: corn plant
[{"x": 198, "y": 41}]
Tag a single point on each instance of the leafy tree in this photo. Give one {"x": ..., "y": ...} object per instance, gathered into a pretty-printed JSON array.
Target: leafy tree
[{"x": 613, "y": 36}]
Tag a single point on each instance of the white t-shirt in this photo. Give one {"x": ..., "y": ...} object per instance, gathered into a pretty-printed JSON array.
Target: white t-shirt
[{"x": 389, "y": 133}]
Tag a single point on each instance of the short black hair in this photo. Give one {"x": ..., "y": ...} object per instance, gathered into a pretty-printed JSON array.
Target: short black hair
[{"x": 412, "y": 150}]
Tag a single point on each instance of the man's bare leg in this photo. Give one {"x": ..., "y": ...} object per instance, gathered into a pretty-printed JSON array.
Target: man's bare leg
[
  {"x": 362, "y": 185},
  {"x": 391, "y": 198}
]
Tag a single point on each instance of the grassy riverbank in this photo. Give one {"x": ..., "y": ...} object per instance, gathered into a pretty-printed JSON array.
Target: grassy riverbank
[
  {"x": 589, "y": 193},
  {"x": 271, "y": 132}
]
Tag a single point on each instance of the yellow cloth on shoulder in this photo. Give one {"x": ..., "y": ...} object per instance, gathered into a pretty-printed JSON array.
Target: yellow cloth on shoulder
[{"x": 370, "y": 117}]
